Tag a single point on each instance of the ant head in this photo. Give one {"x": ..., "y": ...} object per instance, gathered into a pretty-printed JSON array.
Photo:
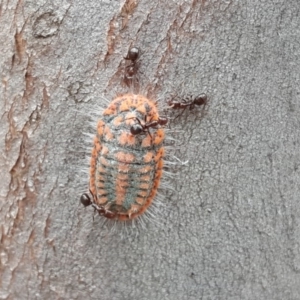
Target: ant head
[
  {"x": 136, "y": 129},
  {"x": 162, "y": 121},
  {"x": 200, "y": 100},
  {"x": 133, "y": 54},
  {"x": 85, "y": 199}
]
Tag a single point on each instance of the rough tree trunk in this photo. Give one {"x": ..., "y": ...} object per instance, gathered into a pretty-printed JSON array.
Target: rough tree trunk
[{"x": 230, "y": 229}]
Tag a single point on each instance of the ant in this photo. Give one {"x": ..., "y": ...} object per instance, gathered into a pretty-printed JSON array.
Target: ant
[
  {"x": 139, "y": 128},
  {"x": 85, "y": 199},
  {"x": 131, "y": 69},
  {"x": 188, "y": 102}
]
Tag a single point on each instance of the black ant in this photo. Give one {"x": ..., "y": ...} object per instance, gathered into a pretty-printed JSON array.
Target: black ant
[
  {"x": 131, "y": 69},
  {"x": 139, "y": 128},
  {"x": 85, "y": 199},
  {"x": 188, "y": 102}
]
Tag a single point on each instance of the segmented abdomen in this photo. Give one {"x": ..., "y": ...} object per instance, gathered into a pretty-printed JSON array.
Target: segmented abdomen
[{"x": 126, "y": 169}]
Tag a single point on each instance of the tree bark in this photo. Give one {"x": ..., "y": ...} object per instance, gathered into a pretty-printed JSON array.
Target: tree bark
[{"x": 229, "y": 227}]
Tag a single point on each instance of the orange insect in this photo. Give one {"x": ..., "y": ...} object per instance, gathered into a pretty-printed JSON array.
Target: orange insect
[{"x": 126, "y": 167}]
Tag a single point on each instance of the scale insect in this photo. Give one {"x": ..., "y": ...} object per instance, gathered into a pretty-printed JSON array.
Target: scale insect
[{"x": 126, "y": 166}]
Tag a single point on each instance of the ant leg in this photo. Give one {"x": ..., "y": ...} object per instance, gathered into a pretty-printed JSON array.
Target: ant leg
[
  {"x": 94, "y": 213},
  {"x": 181, "y": 113},
  {"x": 92, "y": 195},
  {"x": 149, "y": 134},
  {"x": 171, "y": 100},
  {"x": 148, "y": 127}
]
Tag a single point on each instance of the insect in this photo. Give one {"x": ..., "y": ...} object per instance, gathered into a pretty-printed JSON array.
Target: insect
[
  {"x": 188, "y": 102},
  {"x": 126, "y": 168},
  {"x": 85, "y": 199},
  {"x": 131, "y": 69},
  {"x": 139, "y": 128}
]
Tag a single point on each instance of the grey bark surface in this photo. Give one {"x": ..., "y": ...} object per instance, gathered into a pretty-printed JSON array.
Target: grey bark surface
[{"x": 230, "y": 228}]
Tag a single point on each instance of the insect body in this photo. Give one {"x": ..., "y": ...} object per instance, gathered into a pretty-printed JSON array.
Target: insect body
[
  {"x": 132, "y": 68},
  {"x": 125, "y": 168},
  {"x": 139, "y": 128},
  {"x": 188, "y": 102},
  {"x": 86, "y": 201}
]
